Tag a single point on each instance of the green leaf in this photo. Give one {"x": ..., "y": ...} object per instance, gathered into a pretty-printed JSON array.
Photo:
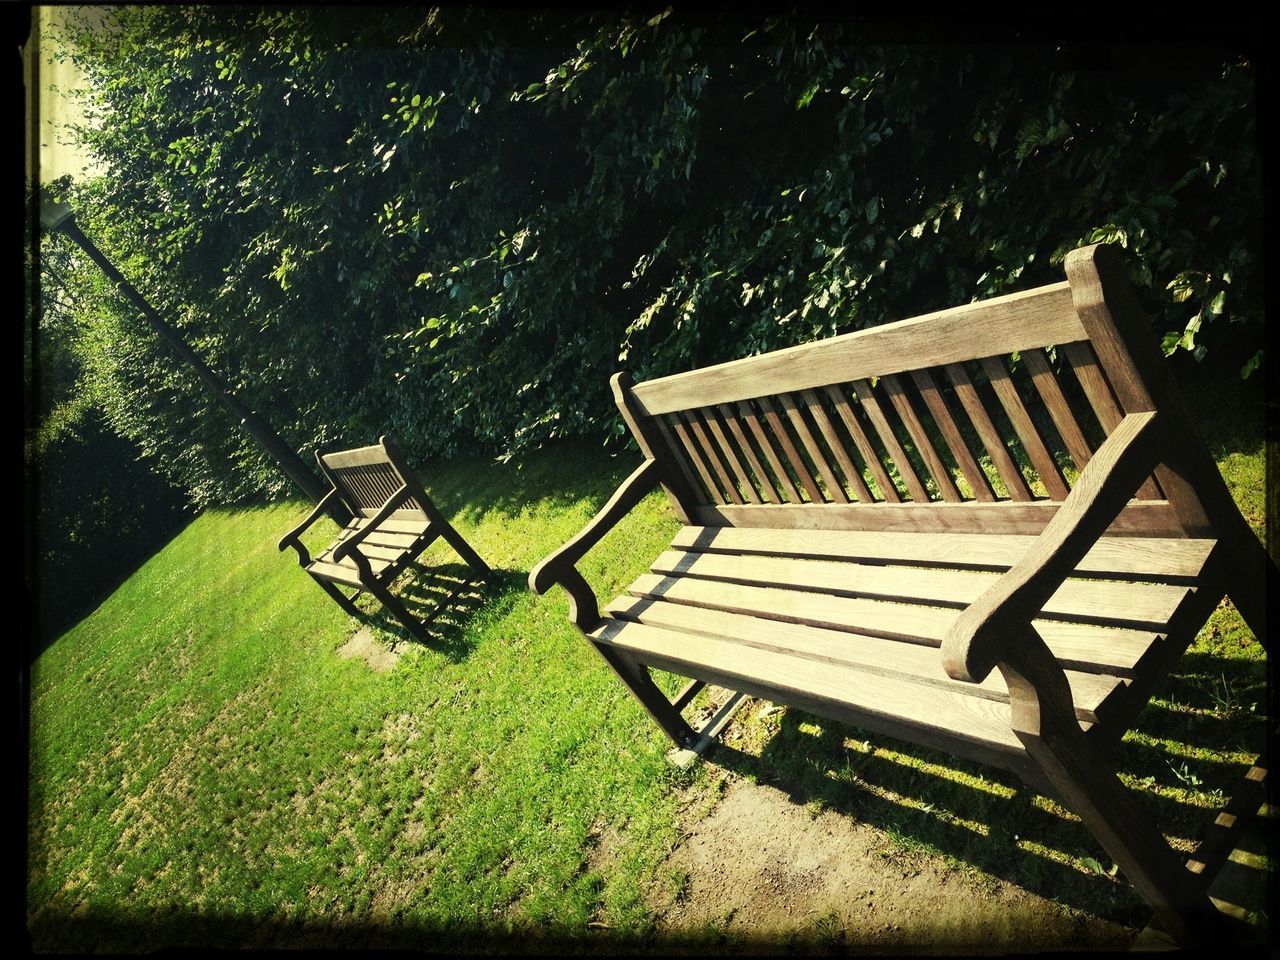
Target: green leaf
[
  {"x": 807, "y": 97},
  {"x": 1093, "y": 865}
]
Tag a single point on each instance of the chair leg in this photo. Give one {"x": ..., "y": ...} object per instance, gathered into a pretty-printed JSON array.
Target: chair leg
[
  {"x": 345, "y": 602},
  {"x": 1251, "y": 580},
  {"x": 1044, "y": 720},
  {"x": 455, "y": 540},
  {"x": 655, "y": 702},
  {"x": 397, "y": 609}
]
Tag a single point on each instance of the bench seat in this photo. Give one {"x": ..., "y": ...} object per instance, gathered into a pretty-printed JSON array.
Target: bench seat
[
  {"x": 394, "y": 521},
  {"x": 851, "y": 623},
  {"x": 391, "y": 544}
]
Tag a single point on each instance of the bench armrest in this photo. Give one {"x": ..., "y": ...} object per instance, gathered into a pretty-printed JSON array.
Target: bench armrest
[
  {"x": 560, "y": 567},
  {"x": 348, "y": 546},
  {"x": 989, "y": 629},
  {"x": 291, "y": 539}
]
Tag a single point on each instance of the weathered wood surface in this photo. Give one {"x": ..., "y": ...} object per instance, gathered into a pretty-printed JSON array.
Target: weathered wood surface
[
  {"x": 1178, "y": 560},
  {"x": 878, "y": 655},
  {"x": 1009, "y": 473},
  {"x": 817, "y": 569},
  {"x": 843, "y": 456},
  {"x": 1020, "y": 321},
  {"x": 1140, "y": 518},
  {"x": 898, "y": 456},
  {"x": 933, "y": 399},
  {"x": 394, "y": 521},
  {"x": 1093, "y": 601},
  {"x": 888, "y": 491},
  {"x": 906, "y": 412},
  {"x": 975, "y": 642},
  {"x": 1083, "y": 646}
]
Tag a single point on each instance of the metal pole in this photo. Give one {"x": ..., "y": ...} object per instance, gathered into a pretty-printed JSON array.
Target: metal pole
[{"x": 58, "y": 216}]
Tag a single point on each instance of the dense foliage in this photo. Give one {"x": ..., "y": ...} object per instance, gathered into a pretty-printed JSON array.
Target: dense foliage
[
  {"x": 96, "y": 508},
  {"x": 454, "y": 225}
]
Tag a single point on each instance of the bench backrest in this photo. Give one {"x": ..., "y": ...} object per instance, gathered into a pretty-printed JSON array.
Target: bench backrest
[
  {"x": 890, "y": 427},
  {"x": 367, "y": 477}
]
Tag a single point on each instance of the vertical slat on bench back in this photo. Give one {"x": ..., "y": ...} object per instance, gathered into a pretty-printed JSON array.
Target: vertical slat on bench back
[
  {"x": 1000, "y": 402},
  {"x": 367, "y": 478}
]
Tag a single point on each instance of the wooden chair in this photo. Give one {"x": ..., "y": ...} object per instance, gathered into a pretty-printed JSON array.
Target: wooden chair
[{"x": 393, "y": 522}]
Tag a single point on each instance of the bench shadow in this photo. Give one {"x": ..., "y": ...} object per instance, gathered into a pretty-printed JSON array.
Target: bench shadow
[
  {"x": 444, "y": 597},
  {"x": 930, "y": 802}
]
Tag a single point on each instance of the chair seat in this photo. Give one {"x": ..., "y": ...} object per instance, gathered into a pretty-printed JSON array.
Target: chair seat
[
  {"x": 847, "y": 624},
  {"x": 391, "y": 545}
]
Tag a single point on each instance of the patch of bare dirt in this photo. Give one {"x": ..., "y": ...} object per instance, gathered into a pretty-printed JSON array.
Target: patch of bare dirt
[
  {"x": 762, "y": 871},
  {"x": 365, "y": 646}
]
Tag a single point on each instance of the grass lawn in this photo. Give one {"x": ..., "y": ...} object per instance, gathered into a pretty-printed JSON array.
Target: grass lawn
[{"x": 206, "y": 770}]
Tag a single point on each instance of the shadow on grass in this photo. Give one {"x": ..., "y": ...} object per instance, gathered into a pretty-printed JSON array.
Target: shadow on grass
[
  {"x": 931, "y": 802},
  {"x": 445, "y": 597}
]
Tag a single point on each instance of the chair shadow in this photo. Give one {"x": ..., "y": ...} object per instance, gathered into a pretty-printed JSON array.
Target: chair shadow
[
  {"x": 445, "y": 598},
  {"x": 932, "y": 802}
]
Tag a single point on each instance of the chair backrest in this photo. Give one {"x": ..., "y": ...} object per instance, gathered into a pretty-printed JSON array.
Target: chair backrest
[
  {"x": 890, "y": 427},
  {"x": 367, "y": 477}
]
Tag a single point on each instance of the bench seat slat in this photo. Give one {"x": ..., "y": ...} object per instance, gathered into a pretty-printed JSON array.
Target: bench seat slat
[
  {"x": 878, "y": 655},
  {"x": 969, "y": 725},
  {"x": 371, "y": 550},
  {"x": 1150, "y": 558},
  {"x": 393, "y": 525},
  {"x": 344, "y": 572},
  {"x": 1096, "y": 601},
  {"x": 1078, "y": 646}
]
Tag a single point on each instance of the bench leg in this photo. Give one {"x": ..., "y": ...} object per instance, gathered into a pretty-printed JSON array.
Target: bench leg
[
  {"x": 398, "y": 611},
  {"x": 1088, "y": 786},
  {"x": 455, "y": 540},
  {"x": 345, "y": 602},
  {"x": 1251, "y": 578},
  {"x": 637, "y": 680}
]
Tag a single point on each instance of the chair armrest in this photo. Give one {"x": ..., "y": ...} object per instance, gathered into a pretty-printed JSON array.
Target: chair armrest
[
  {"x": 348, "y": 546},
  {"x": 290, "y": 539},
  {"x": 984, "y": 634},
  {"x": 560, "y": 567}
]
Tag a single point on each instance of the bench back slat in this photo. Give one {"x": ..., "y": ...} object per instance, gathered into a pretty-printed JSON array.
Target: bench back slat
[
  {"x": 1015, "y": 483},
  {"x": 1055, "y": 401},
  {"x": 883, "y": 429},
  {"x": 1094, "y": 384},
  {"x": 757, "y": 471},
  {"x": 843, "y": 457},
  {"x": 902, "y": 404},
  {"x": 741, "y": 477},
  {"x": 962, "y": 406},
  {"x": 791, "y": 456},
  {"x": 1007, "y": 393},
  {"x": 367, "y": 477},
  {"x": 795, "y": 413},
  {"x": 936, "y": 402},
  {"x": 868, "y": 453},
  {"x": 1035, "y": 318}
]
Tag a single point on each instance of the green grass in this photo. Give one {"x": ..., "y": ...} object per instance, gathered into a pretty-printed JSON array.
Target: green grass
[{"x": 206, "y": 770}]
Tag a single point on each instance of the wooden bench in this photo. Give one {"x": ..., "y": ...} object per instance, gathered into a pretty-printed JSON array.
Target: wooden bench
[
  {"x": 393, "y": 521},
  {"x": 844, "y": 551}
]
